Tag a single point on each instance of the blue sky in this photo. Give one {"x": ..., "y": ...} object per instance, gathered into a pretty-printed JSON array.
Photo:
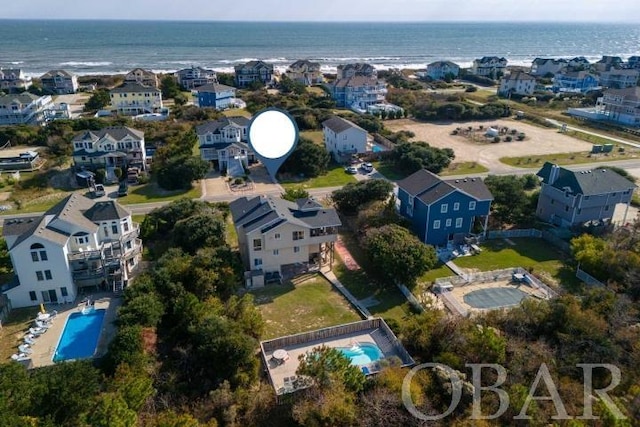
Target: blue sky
[{"x": 329, "y": 10}]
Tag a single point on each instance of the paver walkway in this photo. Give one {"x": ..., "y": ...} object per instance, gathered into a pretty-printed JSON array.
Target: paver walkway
[{"x": 345, "y": 256}]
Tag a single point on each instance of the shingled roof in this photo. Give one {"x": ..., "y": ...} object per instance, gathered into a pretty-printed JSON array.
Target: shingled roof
[
  {"x": 338, "y": 124},
  {"x": 265, "y": 213},
  {"x": 116, "y": 132},
  {"x": 428, "y": 187},
  {"x": 588, "y": 183},
  {"x": 216, "y": 125}
]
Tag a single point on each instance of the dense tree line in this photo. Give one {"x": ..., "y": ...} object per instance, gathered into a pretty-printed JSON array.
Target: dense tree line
[
  {"x": 514, "y": 199},
  {"x": 410, "y": 157},
  {"x": 307, "y": 159}
]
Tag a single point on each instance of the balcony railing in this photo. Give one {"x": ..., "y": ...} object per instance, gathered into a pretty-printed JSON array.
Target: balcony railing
[{"x": 323, "y": 232}]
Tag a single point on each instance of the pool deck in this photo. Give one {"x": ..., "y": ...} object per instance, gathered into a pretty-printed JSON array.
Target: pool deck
[
  {"x": 45, "y": 345},
  {"x": 283, "y": 374}
]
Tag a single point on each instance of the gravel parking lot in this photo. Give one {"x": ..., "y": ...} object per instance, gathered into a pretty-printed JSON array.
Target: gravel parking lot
[{"x": 538, "y": 141}]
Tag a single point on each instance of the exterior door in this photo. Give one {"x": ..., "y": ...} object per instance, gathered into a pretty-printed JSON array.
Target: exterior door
[{"x": 53, "y": 296}]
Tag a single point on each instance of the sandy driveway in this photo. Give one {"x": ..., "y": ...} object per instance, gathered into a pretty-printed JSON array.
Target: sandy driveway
[{"x": 538, "y": 141}]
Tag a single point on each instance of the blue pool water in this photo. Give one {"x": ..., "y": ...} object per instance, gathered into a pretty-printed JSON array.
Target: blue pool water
[
  {"x": 80, "y": 336},
  {"x": 377, "y": 149},
  {"x": 362, "y": 354}
]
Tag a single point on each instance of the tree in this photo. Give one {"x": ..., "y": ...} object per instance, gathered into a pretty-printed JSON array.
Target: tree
[
  {"x": 198, "y": 231},
  {"x": 592, "y": 253},
  {"x": 98, "y": 100},
  {"x": 511, "y": 204},
  {"x": 134, "y": 385},
  {"x": 328, "y": 366},
  {"x": 307, "y": 159},
  {"x": 145, "y": 310},
  {"x": 178, "y": 173},
  {"x": 411, "y": 157},
  {"x": 169, "y": 87},
  {"x": 294, "y": 193},
  {"x": 397, "y": 254},
  {"x": 111, "y": 410},
  {"x": 6, "y": 266},
  {"x": 352, "y": 196}
]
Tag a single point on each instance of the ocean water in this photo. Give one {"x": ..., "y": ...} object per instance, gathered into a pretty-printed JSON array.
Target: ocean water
[{"x": 104, "y": 47}]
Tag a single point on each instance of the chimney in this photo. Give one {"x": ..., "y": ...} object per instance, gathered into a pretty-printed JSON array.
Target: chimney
[{"x": 555, "y": 171}]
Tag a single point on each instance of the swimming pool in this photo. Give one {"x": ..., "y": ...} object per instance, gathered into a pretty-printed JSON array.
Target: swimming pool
[
  {"x": 377, "y": 149},
  {"x": 362, "y": 353},
  {"x": 80, "y": 336}
]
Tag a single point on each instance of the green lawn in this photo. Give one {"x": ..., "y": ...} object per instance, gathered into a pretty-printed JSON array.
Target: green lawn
[
  {"x": 527, "y": 253},
  {"x": 315, "y": 136},
  {"x": 40, "y": 204},
  {"x": 537, "y": 161},
  {"x": 440, "y": 270},
  {"x": 392, "y": 303},
  {"x": 138, "y": 218},
  {"x": 14, "y": 329},
  {"x": 153, "y": 193},
  {"x": 237, "y": 112},
  {"x": 311, "y": 305},
  {"x": 335, "y": 177}
]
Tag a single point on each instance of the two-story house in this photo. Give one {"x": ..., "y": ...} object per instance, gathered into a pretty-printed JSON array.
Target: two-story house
[
  {"x": 143, "y": 77},
  {"x": 541, "y": 67},
  {"x": 443, "y": 211},
  {"x": 215, "y": 95},
  {"x": 108, "y": 148},
  {"x": 278, "y": 236},
  {"x": 579, "y": 63},
  {"x": 441, "y": 70},
  {"x": 132, "y": 99},
  {"x": 191, "y": 78},
  {"x": 253, "y": 71},
  {"x": 619, "y": 79},
  {"x": 60, "y": 82},
  {"x": 358, "y": 92},
  {"x": 517, "y": 83},
  {"x": 223, "y": 142},
  {"x": 621, "y": 106},
  {"x": 306, "y": 72},
  {"x": 489, "y": 66},
  {"x": 25, "y": 109},
  {"x": 633, "y": 62},
  {"x": 575, "y": 82},
  {"x": 76, "y": 244},
  {"x": 14, "y": 80},
  {"x": 346, "y": 71},
  {"x": 572, "y": 198},
  {"x": 607, "y": 63},
  {"x": 343, "y": 138}
]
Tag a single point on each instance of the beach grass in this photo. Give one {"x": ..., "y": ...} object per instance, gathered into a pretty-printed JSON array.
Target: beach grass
[
  {"x": 536, "y": 161},
  {"x": 335, "y": 177}
]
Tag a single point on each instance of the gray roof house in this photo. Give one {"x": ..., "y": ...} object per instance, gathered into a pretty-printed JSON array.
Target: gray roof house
[
  {"x": 573, "y": 198},
  {"x": 59, "y": 82},
  {"x": 282, "y": 238}
]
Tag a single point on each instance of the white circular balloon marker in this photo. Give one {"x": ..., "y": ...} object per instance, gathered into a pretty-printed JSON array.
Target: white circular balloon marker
[{"x": 273, "y": 135}]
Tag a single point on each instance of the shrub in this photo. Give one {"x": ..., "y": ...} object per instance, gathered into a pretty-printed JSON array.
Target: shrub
[
  {"x": 471, "y": 89},
  {"x": 238, "y": 181},
  {"x": 508, "y": 139},
  {"x": 101, "y": 174},
  {"x": 496, "y": 139}
]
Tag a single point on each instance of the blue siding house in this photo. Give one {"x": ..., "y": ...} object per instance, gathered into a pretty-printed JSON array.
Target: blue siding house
[
  {"x": 215, "y": 95},
  {"x": 575, "y": 82},
  {"x": 444, "y": 211}
]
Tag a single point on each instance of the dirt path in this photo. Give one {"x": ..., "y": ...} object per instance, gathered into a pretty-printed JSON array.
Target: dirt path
[{"x": 538, "y": 141}]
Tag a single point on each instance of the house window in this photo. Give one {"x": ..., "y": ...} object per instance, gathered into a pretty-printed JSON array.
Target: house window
[
  {"x": 35, "y": 252},
  {"x": 456, "y": 206},
  {"x": 34, "y": 257},
  {"x": 296, "y": 249},
  {"x": 277, "y": 236},
  {"x": 33, "y": 296},
  {"x": 63, "y": 291},
  {"x": 43, "y": 256},
  {"x": 128, "y": 244},
  {"x": 106, "y": 231},
  {"x": 444, "y": 208},
  {"x": 409, "y": 210},
  {"x": 448, "y": 222},
  {"x": 257, "y": 244},
  {"x": 276, "y": 252},
  {"x": 257, "y": 262},
  {"x": 458, "y": 222},
  {"x": 47, "y": 274},
  {"x": 125, "y": 226},
  {"x": 39, "y": 276},
  {"x": 606, "y": 208},
  {"x": 45, "y": 296},
  {"x": 436, "y": 224},
  {"x": 114, "y": 229},
  {"x": 298, "y": 235}
]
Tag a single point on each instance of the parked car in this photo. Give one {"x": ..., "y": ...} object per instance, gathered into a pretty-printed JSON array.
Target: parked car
[
  {"x": 351, "y": 170},
  {"x": 367, "y": 167},
  {"x": 98, "y": 190}
]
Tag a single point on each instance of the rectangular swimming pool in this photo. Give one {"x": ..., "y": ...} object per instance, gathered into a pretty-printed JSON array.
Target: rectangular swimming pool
[{"x": 80, "y": 336}]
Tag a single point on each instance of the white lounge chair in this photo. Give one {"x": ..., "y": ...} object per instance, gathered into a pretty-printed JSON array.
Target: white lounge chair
[
  {"x": 24, "y": 348},
  {"x": 29, "y": 339},
  {"x": 42, "y": 325},
  {"x": 19, "y": 356},
  {"x": 37, "y": 331}
]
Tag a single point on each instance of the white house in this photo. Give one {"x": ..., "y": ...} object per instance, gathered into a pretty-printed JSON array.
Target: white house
[
  {"x": 14, "y": 80},
  {"x": 619, "y": 79},
  {"x": 439, "y": 70},
  {"x": 542, "y": 66},
  {"x": 108, "y": 148},
  {"x": 517, "y": 83},
  {"x": 489, "y": 66},
  {"x": 77, "y": 243},
  {"x": 25, "y": 109},
  {"x": 223, "y": 142},
  {"x": 621, "y": 106},
  {"x": 287, "y": 238},
  {"x": 59, "y": 81},
  {"x": 343, "y": 138},
  {"x": 143, "y": 77},
  {"x": 306, "y": 72}
]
